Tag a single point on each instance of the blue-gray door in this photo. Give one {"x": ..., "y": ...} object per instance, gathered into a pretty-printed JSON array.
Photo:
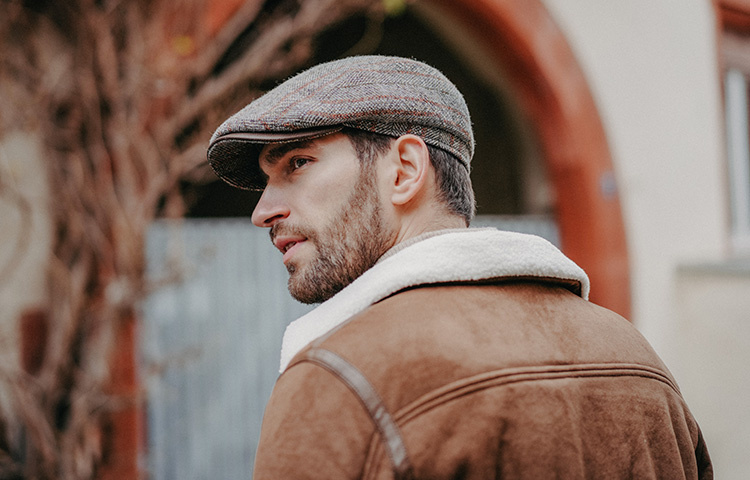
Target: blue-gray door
[{"x": 210, "y": 341}]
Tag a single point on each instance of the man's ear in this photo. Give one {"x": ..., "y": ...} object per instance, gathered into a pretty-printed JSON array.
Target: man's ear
[{"x": 412, "y": 168}]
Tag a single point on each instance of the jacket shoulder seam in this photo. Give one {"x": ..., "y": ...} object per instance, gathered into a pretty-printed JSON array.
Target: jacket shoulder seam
[
  {"x": 360, "y": 386},
  {"x": 508, "y": 376}
]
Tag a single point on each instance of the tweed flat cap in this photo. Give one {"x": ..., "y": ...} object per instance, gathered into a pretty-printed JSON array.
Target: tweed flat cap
[{"x": 388, "y": 95}]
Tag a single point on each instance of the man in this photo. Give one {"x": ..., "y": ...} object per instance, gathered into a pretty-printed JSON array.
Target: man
[{"x": 438, "y": 351}]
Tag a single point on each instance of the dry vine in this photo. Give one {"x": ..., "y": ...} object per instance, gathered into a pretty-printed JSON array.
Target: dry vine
[{"x": 125, "y": 95}]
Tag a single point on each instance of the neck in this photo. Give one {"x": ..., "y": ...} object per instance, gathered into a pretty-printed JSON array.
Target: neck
[{"x": 411, "y": 228}]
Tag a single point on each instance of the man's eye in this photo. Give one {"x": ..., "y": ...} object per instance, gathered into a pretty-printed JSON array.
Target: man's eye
[{"x": 298, "y": 162}]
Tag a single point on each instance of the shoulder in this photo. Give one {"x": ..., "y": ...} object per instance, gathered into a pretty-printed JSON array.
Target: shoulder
[
  {"x": 454, "y": 363},
  {"x": 313, "y": 427},
  {"x": 425, "y": 336}
]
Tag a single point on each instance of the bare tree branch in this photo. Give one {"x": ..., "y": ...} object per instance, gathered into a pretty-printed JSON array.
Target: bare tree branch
[{"x": 125, "y": 94}]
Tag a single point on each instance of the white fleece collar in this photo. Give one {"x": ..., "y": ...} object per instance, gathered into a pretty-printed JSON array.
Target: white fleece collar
[{"x": 453, "y": 255}]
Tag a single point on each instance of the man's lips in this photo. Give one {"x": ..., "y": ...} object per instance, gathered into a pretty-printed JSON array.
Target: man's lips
[{"x": 287, "y": 245}]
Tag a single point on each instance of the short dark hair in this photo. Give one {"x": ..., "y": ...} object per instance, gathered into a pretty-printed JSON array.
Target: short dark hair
[{"x": 452, "y": 176}]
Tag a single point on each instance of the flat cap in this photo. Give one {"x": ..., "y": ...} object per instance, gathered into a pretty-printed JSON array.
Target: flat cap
[{"x": 388, "y": 95}]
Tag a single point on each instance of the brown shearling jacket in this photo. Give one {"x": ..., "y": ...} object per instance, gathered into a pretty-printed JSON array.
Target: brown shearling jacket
[{"x": 512, "y": 379}]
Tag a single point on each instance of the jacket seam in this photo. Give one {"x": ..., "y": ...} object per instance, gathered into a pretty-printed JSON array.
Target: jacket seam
[
  {"x": 386, "y": 427},
  {"x": 503, "y": 377}
]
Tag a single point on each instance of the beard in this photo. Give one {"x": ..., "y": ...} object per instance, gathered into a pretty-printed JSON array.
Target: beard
[{"x": 345, "y": 248}]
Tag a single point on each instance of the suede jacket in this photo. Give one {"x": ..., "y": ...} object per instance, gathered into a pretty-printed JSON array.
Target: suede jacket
[{"x": 502, "y": 378}]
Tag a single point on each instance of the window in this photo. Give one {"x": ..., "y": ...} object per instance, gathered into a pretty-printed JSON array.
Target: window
[
  {"x": 736, "y": 61},
  {"x": 738, "y": 155}
]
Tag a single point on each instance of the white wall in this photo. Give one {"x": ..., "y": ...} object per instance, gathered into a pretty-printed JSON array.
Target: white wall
[
  {"x": 24, "y": 236},
  {"x": 715, "y": 307},
  {"x": 653, "y": 69}
]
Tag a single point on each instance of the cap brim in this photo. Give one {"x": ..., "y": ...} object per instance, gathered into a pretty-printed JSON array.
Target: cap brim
[{"x": 234, "y": 156}]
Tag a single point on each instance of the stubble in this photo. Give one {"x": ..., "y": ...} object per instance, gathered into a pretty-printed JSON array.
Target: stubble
[{"x": 348, "y": 246}]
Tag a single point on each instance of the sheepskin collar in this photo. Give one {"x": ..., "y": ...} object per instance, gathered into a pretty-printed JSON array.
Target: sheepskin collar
[{"x": 460, "y": 255}]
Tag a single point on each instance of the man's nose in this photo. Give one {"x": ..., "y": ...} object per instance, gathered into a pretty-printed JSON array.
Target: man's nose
[{"x": 270, "y": 208}]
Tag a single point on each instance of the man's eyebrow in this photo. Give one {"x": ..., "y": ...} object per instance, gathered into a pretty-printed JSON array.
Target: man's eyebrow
[{"x": 274, "y": 153}]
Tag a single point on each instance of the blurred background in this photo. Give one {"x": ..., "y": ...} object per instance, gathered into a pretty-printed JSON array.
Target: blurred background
[{"x": 141, "y": 314}]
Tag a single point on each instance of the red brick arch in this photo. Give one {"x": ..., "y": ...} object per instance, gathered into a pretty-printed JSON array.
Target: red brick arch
[{"x": 547, "y": 82}]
